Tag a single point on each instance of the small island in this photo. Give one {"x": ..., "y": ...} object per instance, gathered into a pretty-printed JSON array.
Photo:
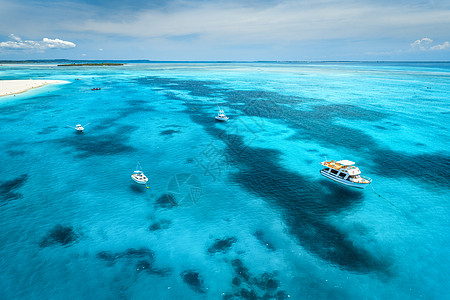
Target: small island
[{"x": 91, "y": 64}]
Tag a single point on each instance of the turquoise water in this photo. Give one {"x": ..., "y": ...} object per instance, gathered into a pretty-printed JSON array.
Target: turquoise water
[{"x": 234, "y": 210}]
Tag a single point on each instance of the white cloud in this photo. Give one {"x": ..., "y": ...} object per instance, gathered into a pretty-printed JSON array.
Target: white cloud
[
  {"x": 422, "y": 44},
  {"x": 285, "y": 21},
  {"x": 220, "y": 28},
  {"x": 16, "y": 38},
  {"x": 17, "y": 43},
  {"x": 425, "y": 44},
  {"x": 445, "y": 45}
]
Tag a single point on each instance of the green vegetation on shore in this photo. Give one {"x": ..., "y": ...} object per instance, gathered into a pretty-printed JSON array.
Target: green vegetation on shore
[{"x": 91, "y": 64}]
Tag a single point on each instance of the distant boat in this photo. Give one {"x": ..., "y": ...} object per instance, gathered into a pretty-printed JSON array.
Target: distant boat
[
  {"x": 96, "y": 89},
  {"x": 138, "y": 176},
  {"x": 344, "y": 172},
  {"x": 78, "y": 127},
  {"x": 221, "y": 116}
]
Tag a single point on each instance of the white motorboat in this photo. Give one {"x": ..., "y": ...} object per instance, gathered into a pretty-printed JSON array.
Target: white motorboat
[
  {"x": 138, "y": 176},
  {"x": 344, "y": 172},
  {"x": 221, "y": 116},
  {"x": 78, "y": 127}
]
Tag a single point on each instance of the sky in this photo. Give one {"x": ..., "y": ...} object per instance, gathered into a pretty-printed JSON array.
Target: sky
[{"x": 226, "y": 30}]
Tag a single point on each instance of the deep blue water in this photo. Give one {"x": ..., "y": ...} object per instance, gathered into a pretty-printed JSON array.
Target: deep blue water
[{"x": 234, "y": 210}]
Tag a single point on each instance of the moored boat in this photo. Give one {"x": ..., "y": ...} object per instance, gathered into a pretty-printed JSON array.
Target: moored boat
[
  {"x": 344, "y": 172},
  {"x": 221, "y": 116},
  {"x": 78, "y": 127},
  {"x": 138, "y": 176}
]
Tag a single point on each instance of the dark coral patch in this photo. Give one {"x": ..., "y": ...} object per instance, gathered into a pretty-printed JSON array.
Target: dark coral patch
[
  {"x": 158, "y": 225},
  {"x": 8, "y": 189},
  {"x": 240, "y": 270},
  {"x": 129, "y": 253},
  {"x": 281, "y": 295},
  {"x": 236, "y": 281},
  {"x": 193, "y": 280},
  {"x": 247, "y": 294},
  {"x": 166, "y": 201},
  {"x": 162, "y": 272},
  {"x": 59, "y": 235},
  {"x": 106, "y": 255},
  {"x": 143, "y": 265},
  {"x": 168, "y": 132},
  {"x": 268, "y": 282},
  {"x": 247, "y": 286},
  {"x": 138, "y": 253},
  {"x": 222, "y": 245},
  {"x": 15, "y": 152}
]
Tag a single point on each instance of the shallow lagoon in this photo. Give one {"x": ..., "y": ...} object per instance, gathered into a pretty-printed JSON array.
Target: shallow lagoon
[{"x": 233, "y": 210}]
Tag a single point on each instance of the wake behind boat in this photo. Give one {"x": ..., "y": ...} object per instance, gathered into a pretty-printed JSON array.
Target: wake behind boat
[{"x": 344, "y": 172}]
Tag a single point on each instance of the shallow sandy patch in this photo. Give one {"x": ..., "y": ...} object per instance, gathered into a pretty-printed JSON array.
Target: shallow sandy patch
[{"x": 10, "y": 87}]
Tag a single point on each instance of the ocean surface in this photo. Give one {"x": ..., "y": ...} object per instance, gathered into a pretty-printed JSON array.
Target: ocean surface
[{"x": 234, "y": 210}]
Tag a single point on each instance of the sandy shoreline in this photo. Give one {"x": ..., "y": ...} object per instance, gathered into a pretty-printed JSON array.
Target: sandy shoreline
[{"x": 11, "y": 87}]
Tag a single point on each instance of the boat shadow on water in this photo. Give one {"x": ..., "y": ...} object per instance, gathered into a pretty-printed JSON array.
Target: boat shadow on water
[
  {"x": 335, "y": 191},
  {"x": 138, "y": 189}
]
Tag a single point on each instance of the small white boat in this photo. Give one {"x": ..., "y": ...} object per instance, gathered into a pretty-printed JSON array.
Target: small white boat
[
  {"x": 78, "y": 127},
  {"x": 138, "y": 176},
  {"x": 344, "y": 172},
  {"x": 221, "y": 116}
]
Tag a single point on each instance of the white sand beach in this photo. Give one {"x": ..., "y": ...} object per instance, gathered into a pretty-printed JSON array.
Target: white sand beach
[{"x": 10, "y": 87}]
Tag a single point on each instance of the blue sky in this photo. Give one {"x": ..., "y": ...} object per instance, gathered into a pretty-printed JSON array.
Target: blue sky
[{"x": 225, "y": 30}]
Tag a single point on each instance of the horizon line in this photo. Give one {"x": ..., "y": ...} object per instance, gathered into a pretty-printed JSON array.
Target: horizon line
[{"x": 220, "y": 61}]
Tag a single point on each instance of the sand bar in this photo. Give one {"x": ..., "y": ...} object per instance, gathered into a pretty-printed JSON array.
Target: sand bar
[{"x": 10, "y": 87}]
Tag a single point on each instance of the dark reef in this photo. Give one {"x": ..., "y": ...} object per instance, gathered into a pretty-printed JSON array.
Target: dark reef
[
  {"x": 166, "y": 201},
  {"x": 193, "y": 280},
  {"x": 168, "y": 132},
  {"x": 162, "y": 224},
  {"x": 129, "y": 253},
  {"x": 59, "y": 235},
  {"x": 222, "y": 245},
  {"x": 8, "y": 189}
]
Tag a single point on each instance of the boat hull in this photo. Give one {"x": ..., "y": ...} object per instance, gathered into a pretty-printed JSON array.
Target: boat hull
[
  {"x": 139, "y": 181},
  {"x": 221, "y": 119},
  {"x": 343, "y": 181}
]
